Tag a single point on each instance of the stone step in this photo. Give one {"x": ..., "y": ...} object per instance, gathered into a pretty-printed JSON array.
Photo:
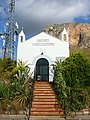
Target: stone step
[
  {"x": 46, "y": 110},
  {"x": 43, "y": 84},
  {"x": 44, "y": 103},
  {"x": 48, "y": 118},
  {"x": 44, "y": 100},
  {"x": 45, "y": 92},
  {"x": 44, "y": 97},
  {"x": 42, "y": 94},
  {"x": 46, "y": 106},
  {"x": 47, "y": 113},
  {"x": 42, "y": 89}
]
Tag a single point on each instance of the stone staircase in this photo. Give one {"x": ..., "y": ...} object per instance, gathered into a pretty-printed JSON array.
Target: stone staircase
[{"x": 44, "y": 101}]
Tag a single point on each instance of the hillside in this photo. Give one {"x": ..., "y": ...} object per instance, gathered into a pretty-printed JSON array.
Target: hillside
[{"x": 79, "y": 36}]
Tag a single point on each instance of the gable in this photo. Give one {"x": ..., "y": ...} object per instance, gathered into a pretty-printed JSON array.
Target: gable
[
  {"x": 42, "y": 45},
  {"x": 43, "y": 39}
]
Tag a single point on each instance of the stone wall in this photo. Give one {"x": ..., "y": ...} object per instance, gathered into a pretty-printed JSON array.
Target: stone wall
[
  {"x": 12, "y": 117},
  {"x": 22, "y": 117}
]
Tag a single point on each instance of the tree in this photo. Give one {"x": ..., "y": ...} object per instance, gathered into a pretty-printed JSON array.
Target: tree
[
  {"x": 60, "y": 84},
  {"x": 70, "y": 82},
  {"x": 76, "y": 74},
  {"x": 77, "y": 69}
]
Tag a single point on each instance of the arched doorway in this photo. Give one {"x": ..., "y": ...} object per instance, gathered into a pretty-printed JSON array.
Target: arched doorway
[{"x": 42, "y": 69}]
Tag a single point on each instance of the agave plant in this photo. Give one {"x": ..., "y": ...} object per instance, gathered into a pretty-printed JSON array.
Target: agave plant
[{"x": 21, "y": 76}]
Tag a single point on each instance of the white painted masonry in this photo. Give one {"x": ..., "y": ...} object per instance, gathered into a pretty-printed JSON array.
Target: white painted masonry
[{"x": 42, "y": 46}]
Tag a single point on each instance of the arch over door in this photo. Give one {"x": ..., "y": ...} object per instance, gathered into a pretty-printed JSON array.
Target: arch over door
[{"x": 42, "y": 69}]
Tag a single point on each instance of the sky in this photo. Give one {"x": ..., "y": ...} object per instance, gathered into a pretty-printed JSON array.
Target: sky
[{"x": 35, "y": 15}]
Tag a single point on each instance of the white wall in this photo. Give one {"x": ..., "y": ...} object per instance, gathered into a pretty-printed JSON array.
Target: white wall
[{"x": 52, "y": 49}]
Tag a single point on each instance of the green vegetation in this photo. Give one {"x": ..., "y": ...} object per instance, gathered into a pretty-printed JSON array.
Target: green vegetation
[
  {"x": 72, "y": 83},
  {"x": 6, "y": 66},
  {"x": 15, "y": 86},
  {"x": 85, "y": 51}
]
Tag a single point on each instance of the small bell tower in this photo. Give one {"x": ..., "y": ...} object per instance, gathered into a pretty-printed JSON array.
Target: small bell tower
[
  {"x": 65, "y": 36},
  {"x": 21, "y": 37}
]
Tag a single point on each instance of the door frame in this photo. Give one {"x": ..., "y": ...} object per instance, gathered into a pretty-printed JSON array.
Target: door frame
[{"x": 40, "y": 64}]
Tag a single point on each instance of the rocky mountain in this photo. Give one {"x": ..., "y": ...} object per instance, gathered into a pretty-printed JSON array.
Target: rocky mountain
[{"x": 79, "y": 34}]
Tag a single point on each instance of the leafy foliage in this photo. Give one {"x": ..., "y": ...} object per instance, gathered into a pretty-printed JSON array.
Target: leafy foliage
[
  {"x": 77, "y": 69},
  {"x": 71, "y": 80},
  {"x": 19, "y": 87},
  {"x": 6, "y": 66},
  {"x": 59, "y": 83}
]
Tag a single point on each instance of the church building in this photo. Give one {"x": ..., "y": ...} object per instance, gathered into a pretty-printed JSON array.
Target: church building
[{"x": 41, "y": 51}]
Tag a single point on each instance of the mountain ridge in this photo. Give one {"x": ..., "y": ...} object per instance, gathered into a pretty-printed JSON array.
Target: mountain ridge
[
  {"x": 79, "y": 36},
  {"x": 79, "y": 33}
]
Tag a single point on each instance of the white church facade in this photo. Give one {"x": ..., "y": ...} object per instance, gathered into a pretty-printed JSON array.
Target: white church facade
[{"x": 41, "y": 51}]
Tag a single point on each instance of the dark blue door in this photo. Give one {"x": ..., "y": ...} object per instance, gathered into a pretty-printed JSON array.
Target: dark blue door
[{"x": 42, "y": 69}]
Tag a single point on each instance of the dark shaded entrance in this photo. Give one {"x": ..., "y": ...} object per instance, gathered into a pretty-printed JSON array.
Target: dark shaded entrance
[{"x": 42, "y": 70}]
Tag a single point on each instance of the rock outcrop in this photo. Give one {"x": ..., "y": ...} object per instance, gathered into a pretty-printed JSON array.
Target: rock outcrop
[{"x": 79, "y": 34}]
